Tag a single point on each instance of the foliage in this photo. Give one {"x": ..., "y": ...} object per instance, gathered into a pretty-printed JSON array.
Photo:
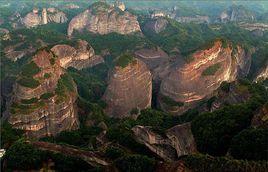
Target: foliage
[
  {"x": 46, "y": 96},
  {"x": 47, "y": 75},
  {"x": 135, "y": 163},
  {"x": 29, "y": 82},
  {"x": 213, "y": 131},
  {"x": 206, "y": 163},
  {"x": 30, "y": 69},
  {"x": 211, "y": 70},
  {"x": 29, "y": 101},
  {"x": 114, "y": 152},
  {"x": 124, "y": 60},
  {"x": 23, "y": 156},
  {"x": 9, "y": 135},
  {"x": 170, "y": 102},
  {"x": 250, "y": 144}
]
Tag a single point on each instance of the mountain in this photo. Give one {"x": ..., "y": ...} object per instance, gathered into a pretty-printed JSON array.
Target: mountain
[
  {"x": 103, "y": 18},
  {"x": 43, "y": 100}
]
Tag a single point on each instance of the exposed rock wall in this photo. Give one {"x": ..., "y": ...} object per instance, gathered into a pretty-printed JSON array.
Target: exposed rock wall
[
  {"x": 80, "y": 56},
  {"x": 156, "y": 25},
  {"x": 48, "y": 108},
  {"x": 102, "y": 18},
  {"x": 176, "y": 142},
  {"x": 262, "y": 74},
  {"x": 128, "y": 88},
  {"x": 197, "y": 79}
]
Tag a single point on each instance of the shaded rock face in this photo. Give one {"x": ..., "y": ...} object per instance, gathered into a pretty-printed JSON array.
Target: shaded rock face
[
  {"x": 176, "y": 142},
  {"x": 45, "y": 16},
  {"x": 128, "y": 88},
  {"x": 80, "y": 56},
  {"x": 262, "y": 74},
  {"x": 156, "y": 25},
  {"x": 198, "y": 79},
  {"x": 49, "y": 108},
  {"x": 260, "y": 118},
  {"x": 102, "y": 18},
  {"x": 237, "y": 14}
]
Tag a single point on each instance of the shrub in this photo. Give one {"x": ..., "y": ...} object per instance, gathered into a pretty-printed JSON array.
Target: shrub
[
  {"x": 47, "y": 75},
  {"x": 29, "y": 82},
  {"x": 46, "y": 95},
  {"x": 114, "y": 152},
  {"x": 211, "y": 70},
  {"x": 250, "y": 144},
  {"x": 29, "y": 101},
  {"x": 30, "y": 70},
  {"x": 124, "y": 60},
  {"x": 170, "y": 102},
  {"x": 52, "y": 61}
]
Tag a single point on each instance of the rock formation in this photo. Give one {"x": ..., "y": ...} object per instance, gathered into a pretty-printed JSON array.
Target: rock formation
[
  {"x": 33, "y": 18},
  {"x": 237, "y": 14},
  {"x": 156, "y": 25},
  {"x": 80, "y": 56},
  {"x": 43, "y": 101},
  {"x": 176, "y": 142},
  {"x": 262, "y": 74},
  {"x": 196, "y": 80},
  {"x": 102, "y": 18},
  {"x": 129, "y": 87},
  {"x": 193, "y": 19}
]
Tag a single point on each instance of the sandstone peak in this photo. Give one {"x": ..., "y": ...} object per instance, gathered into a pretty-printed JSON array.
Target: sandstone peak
[
  {"x": 103, "y": 18},
  {"x": 196, "y": 80},
  {"x": 129, "y": 87}
]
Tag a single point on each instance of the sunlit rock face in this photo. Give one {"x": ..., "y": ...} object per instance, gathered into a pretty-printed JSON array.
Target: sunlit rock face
[
  {"x": 44, "y": 16},
  {"x": 262, "y": 74},
  {"x": 80, "y": 56},
  {"x": 103, "y": 18},
  {"x": 156, "y": 25},
  {"x": 128, "y": 88},
  {"x": 178, "y": 141},
  {"x": 237, "y": 14},
  {"x": 49, "y": 107},
  {"x": 187, "y": 85}
]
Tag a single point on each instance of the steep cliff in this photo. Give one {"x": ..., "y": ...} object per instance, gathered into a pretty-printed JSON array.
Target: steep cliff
[
  {"x": 80, "y": 56},
  {"x": 43, "y": 101},
  {"x": 262, "y": 73},
  {"x": 36, "y": 18},
  {"x": 129, "y": 87},
  {"x": 102, "y": 18},
  {"x": 237, "y": 14},
  {"x": 187, "y": 85},
  {"x": 176, "y": 142},
  {"x": 156, "y": 25}
]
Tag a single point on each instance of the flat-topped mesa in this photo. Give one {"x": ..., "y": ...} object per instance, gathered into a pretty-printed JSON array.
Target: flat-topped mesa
[
  {"x": 80, "y": 56},
  {"x": 43, "y": 100},
  {"x": 129, "y": 87},
  {"x": 196, "y": 80},
  {"x": 44, "y": 16},
  {"x": 103, "y": 18}
]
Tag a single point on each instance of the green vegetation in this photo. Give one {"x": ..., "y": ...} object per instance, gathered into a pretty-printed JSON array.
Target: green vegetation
[
  {"x": 9, "y": 135},
  {"x": 47, "y": 75},
  {"x": 28, "y": 82},
  {"x": 124, "y": 60},
  {"x": 29, "y": 101},
  {"x": 52, "y": 61},
  {"x": 204, "y": 163},
  {"x": 135, "y": 163},
  {"x": 99, "y": 7},
  {"x": 250, "y": 144},
  {"x": 170, "y": 102},
  {"x": 211, "y": 70},
  {"x": 30, "y": 70},
  {"x": 25, "y": 108},
  {"x": 65, "y": 83},
  {"x": 46, "y": 96}
]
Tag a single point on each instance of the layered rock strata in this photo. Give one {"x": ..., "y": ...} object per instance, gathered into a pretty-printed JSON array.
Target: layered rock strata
[
  {"x": 103, "y": 18},
  {"x": 128, "y": 88},
  {"x": 80, "y": 56},
  {"x": 43, "y": 101},
  {"x": 176, "y": 142},
  {"x": 185, "y": 86}
]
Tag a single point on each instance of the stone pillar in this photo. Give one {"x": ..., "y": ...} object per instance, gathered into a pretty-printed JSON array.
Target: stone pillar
[{"x": 44, "y": 16}]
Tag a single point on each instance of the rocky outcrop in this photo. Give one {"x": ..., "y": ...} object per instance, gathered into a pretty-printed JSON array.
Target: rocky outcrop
[
  {"x": 254, "y": 26},
  {"x": 156, "y": 25},
  {"x": 262, "y": 74},
  {"x": 188, "y": 84},
  {"x": 102, "y": 18},
  {"x": 43, "y": 101},
  {"x": 48, "y": 15},
  {"x": 176, "y": 142},
  {"x": 80, "y": 56},
  {"x": 237, "y": 14},
  {"x": 193, "y": 19},
  {"x": 129, "y": 87}
]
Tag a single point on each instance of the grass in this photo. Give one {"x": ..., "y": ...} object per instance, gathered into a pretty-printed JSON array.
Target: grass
[
  {"x": 124, "y": 60},
  {"x": 211, "y": 70}
]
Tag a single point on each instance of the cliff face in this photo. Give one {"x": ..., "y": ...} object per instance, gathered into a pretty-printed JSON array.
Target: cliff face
[
  {"x": 102, "y": 18},
  {"x": 156, "y": 25},
  {"x": 80, "y": 56},
  {"x": 177, "y": 141},
  {"x": 262, "y": 74},
  {"x": 129, "y": 87},
  {"x": 196, "y": 80},
  {"x": 237, "y": 14},
  {"x": 43, "y": 101},
  {"x": 194, "y": 19},
  {"x": 45, "y": 16}
]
